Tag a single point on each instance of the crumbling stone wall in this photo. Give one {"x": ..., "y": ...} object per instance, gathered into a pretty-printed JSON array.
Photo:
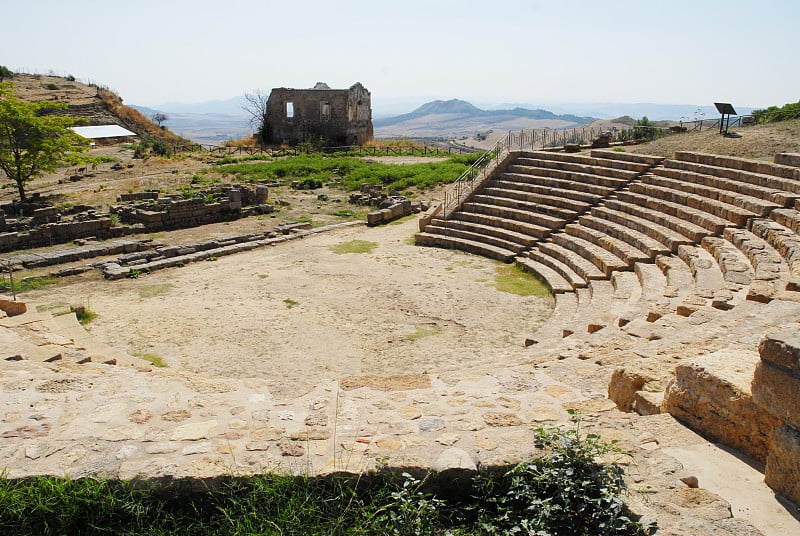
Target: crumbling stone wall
[
  {"x": 339, "y": 116},
  {"x": 776, "y": 389}
]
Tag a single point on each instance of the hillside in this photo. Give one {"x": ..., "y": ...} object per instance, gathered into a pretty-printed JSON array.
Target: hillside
[
  {"x": 97, "y": 105},
  {"x": 761, "y": 141},
  {"x": 456, "y": 117}
]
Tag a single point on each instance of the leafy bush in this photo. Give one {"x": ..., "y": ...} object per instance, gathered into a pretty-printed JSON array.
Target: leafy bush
[
  {"x": 150, "y": 145},
  {"x": 566, "y": 491},
  {"x": 775, "y": 113}
]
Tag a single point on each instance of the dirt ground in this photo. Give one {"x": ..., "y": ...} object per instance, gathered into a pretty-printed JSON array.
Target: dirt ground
[{"x": 299, "y": 309}]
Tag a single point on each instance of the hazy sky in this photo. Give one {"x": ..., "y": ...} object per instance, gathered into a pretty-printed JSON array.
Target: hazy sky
[{"x": 665, "y": 51}]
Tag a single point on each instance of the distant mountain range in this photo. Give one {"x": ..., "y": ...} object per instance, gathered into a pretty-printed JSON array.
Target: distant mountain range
[
  {"x": 219, "y": 120},
  {"x": 456, "y": 117}
]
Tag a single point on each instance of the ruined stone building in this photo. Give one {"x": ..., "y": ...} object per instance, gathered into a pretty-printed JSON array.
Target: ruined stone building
[{"x": 338, "y": 116}]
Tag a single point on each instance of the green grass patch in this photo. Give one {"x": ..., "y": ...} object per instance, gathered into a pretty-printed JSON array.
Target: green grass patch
[
  {"x": 354, "y": 246},
  {"x": 27, "y": 283},
  {"x": 563, "y": 490},
  {"x": 350, "y": 171},
  {"x": 514, "y": 280},
  {"x": 291, "y": 303},
  {"x": 151, "y": 291},
  {"x": 263, "y": 276},
  {"x": 423, "y": 332},
  {"x": 83, "y": 314},
  {"x": 154, "y": 359}
]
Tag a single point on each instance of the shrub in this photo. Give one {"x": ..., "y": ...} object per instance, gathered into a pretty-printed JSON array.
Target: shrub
[{"x": 775, "y": 113}]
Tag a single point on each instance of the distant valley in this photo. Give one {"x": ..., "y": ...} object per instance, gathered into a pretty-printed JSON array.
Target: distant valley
[{"x": 214, "y": 122}]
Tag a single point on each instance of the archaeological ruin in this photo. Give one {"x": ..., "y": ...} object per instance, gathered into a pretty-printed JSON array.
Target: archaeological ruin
[
  {"x": 335, "y": 116},
  {"x": 675, "y": 288}
]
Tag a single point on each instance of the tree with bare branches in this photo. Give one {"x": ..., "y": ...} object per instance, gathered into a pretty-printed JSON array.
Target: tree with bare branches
[
  {"x": 159, "y": 118},
  {"x": 256, "y": 106}
]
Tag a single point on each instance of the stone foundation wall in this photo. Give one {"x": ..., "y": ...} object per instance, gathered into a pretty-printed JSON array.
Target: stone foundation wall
[
  {"x": 58, "y": 233},
  {"x": 776, "y": 390}
]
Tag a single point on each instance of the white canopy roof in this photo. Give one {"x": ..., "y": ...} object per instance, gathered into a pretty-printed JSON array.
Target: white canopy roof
[{"x": 103, "y": 131}]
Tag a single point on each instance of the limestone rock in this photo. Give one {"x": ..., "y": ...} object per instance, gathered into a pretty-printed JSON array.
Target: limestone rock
[
  {"x": 783, "y": 463},
  {"x": 777, "y": 392},
  {"x": 623, "y": 386},
  {"x": 454, "y": 458},
  {"x": 712, "y": 395},
  {"x": 782, "y": 349}
]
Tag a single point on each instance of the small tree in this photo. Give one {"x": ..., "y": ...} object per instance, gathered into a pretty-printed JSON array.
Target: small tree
[
  {"x": 5, "y": 72},
  {"x": 256, "y": 105},
  {"x": 33, "y": 140},
  {"x": 159, "y": 118}
]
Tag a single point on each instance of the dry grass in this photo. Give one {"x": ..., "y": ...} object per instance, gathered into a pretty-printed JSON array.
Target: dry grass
[{"x": 758, "y": 141}]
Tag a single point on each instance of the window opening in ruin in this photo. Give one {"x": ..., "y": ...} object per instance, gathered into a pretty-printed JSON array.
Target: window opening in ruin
[
  {"x": 325, "y": 110},
  {"x": 351, "y": 111},
  {"x": 289, "y": 109}
]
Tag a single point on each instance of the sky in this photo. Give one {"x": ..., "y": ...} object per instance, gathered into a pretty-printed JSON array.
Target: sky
[{"x": 533, "y": 52}]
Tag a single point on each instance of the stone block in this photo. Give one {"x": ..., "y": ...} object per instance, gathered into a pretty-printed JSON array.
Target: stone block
[
  {"x": 712, "y": 396},
  {"x": 782, "y": 473},
  {"x": 782, "y": 349},
  {"x": 788, "y": 159},
  {"x": 777, "y": 392},
  {"x": 13, "y": 308},
  {"x": 623, "y": 386},
  {"x": 648, "y": 403}
]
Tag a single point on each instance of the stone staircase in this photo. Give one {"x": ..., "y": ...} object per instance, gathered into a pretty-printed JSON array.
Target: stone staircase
[{"x": 532, "y": 196}]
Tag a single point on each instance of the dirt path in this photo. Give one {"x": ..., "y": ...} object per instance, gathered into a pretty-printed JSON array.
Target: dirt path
[{"x": 300, "y": 310}]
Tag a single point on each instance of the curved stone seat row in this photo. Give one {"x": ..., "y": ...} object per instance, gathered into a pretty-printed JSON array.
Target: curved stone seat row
[
  {"x": 532, "y": 195},
  {"x": 694, "y": 258}
]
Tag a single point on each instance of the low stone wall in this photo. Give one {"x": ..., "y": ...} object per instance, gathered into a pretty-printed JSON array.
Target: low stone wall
[
  {"x": 776, "y": 390},
  {"x": 58, "y": 233}
]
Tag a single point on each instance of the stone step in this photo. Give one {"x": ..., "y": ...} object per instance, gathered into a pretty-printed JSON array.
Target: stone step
[
  {"x": 652, "y": 280},
  {"x": 574, "y": 176},
  {"x": 755, "y": 205},
  {"x": 627, "y": 294},
  {"x": 566, "y": 184},
  {"x": 735, "y": 267},
  {"x": 583, "y": 158},
  {"x": 744, "y": 164},
  {"x": 639, "y": 240},
  {"x": 554, "y": 281},
  {"x": 507, "y": 224},
  {"x": 566, "y": 308},
  {"x": 768, "y": 265},
  {"x": 569, "y": 206},
  {"x": 731, "y": 179},
  {"x": 646, "y": 159},
  {"x": 648, "y": 222},
  {"x": 784, "y": 240},
  {"x": 604, "y": 260},
  {"x": 680, "y": 282},
  {"x": 707, "y": 275},
  {"x": 479, "y": 205},
  {"x": 477, "y": 248},
  {"x": 787, "y": 217},
  {"x": 486, "y": 230},
  {"x": 625, "y": 251},
  {"x": 736, "y": 215},
  {"x": 574, "y": 280},
  {"x": 680, "y": 213},
  {"x": 472, "y": 236},
  {"x": 592, "y": 167},
  {"x": 578, "y": 264},
  {"x": 574, "y": 196}
]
